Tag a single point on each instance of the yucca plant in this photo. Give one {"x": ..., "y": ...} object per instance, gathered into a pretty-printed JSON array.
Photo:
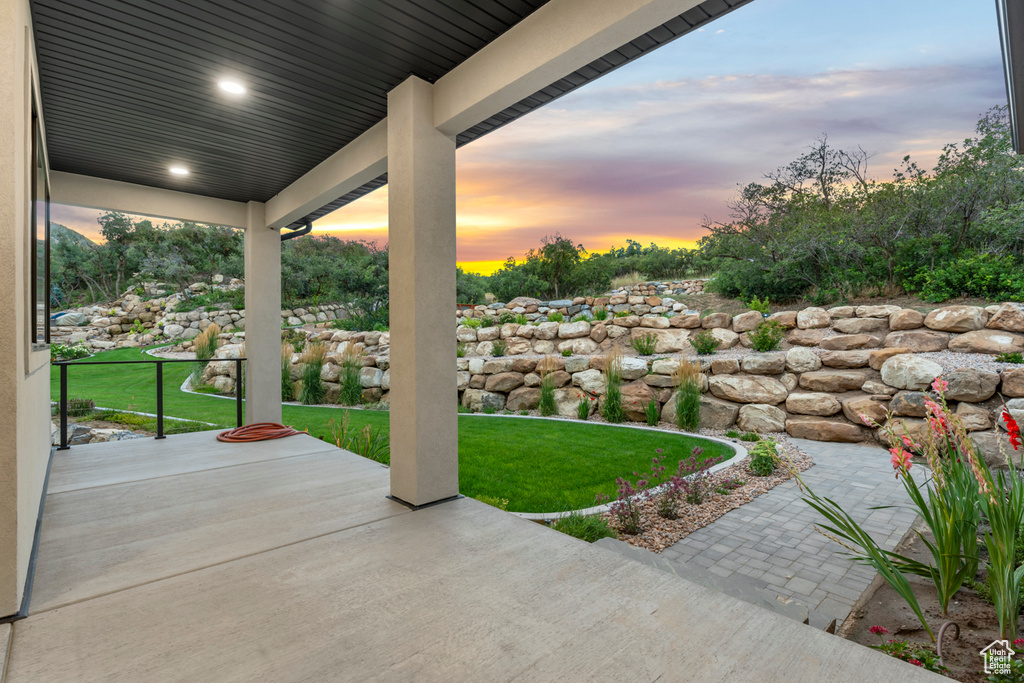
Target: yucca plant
[
  {"x": 351, "y": 368},
  {"x": 312, "y": 359},
  {"x": 689, "y": 381},
  {"x": 612, "y": 407}
]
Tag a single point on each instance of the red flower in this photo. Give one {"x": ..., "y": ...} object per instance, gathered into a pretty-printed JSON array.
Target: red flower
[
  {"x": 1012, "y": 428},
  {"x": 916, "y": 662},
  {"x": 878, "y": 630},
  {"x": 1019, "y": 642}
]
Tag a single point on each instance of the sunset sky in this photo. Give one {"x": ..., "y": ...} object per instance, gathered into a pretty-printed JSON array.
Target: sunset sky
[{"x": 647, "y": 151}]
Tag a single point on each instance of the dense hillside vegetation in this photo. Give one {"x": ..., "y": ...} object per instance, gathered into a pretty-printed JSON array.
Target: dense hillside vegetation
[{"x": 818, "y": 227}]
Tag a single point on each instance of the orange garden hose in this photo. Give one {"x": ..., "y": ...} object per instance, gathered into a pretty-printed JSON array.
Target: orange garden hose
[{"x": 259, "y": 431}]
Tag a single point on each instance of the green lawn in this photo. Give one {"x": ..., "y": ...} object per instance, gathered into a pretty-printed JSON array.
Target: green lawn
[{"x": 538, "y": 465}]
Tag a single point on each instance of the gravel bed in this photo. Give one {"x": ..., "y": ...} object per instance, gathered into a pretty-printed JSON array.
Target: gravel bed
[
  {"x": 950, "y": 360},
  {"x": 660, "y": 533}
]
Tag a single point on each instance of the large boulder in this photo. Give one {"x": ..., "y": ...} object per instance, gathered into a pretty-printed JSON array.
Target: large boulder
[
  {"x": 917, "y": 341},
  {"x": 785, "y": 318},
  {"x": 632, "y": 368},
  {"x": 656, "y": 322},
  {"x": 906, "y": 319},
  {"x": 821, "y": 429},
  {"x": 957, "y": 318},
  {"x": 478, "y": 400},
  {"x": 862, "y": 326},
  {"x": 488, "y": 333},
  {"x": 523, "y": 398},
  {"x": 974, "y": 418},
  {"x": 973, "y": 386},
  {"x": 590, "y": 381},
  {"x": 716, "y": 320},
  {"x": 833, "y": 381},
  {"x": 581, "y": 346},
  {"x": 761, "y": 419},
  {"x": 859, "y": 407},
  {"x": 813, "y": 318},
  {"x": 748, "y": 389},
  {"x": 910, "y": 372},
  {"x": 876, "y": 311},
  {"x": 764, "y": 364},
  {"x": 915, "y": 429},
  {"x": 987, "y": 341},
  {"x": 845, "y": 342},
  {"x": 668, "y": 341},
  {"x": 726, "y": 338},
  {"x": 877, "y": 357},
  {"x": 842, "y": 312},
  {"x": 546, "y": 330},
  {"x": 845, "y": 359},
  {"x": 635, "y": 397},
  {"x": 504, "y": 382},
  {"x": 995, "y": 448},
  {"x": 714, "y": 413},
  {"x": 806, "y": 337},
  {"x": 801, "y": 359},
  {"x": 567, "y": 401},
  {"x": 746, "y": 321},
  {"x": 465, "y": 334},
  {"x": 909, "y": 404},
  {"x": 1013, "y": 382},
  {"x": 812, "y": 403},
  {"x": 1009, "y": 317},
  {"x": 172, "y": 331},
  {"x": 580, "y": 328}
]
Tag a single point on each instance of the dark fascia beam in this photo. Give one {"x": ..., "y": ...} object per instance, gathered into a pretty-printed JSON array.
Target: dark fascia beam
[{"x": 1011, "y": 36}]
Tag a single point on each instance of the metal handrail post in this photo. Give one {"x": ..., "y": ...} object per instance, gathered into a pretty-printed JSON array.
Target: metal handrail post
[
  {"x": 239, "y": 385},
  {"x": 63, "y": 408},
  {"x": 160, "y": 400}
]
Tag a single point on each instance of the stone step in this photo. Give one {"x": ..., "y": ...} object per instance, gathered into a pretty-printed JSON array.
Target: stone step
[{"x": 743, "y": 588}]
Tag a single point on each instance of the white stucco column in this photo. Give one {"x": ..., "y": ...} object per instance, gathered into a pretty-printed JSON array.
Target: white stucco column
[
  {"x": 421, "y": 235},
  {"x": 262, "y": 318}
]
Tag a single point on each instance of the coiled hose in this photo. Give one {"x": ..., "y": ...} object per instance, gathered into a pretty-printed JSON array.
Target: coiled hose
[{"x": 258, "y": 431}]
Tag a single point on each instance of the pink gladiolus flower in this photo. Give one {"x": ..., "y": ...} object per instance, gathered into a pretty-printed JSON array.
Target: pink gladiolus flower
[
  {"x": 940, "y": 385},
  {"x": 900, "y": 459}
]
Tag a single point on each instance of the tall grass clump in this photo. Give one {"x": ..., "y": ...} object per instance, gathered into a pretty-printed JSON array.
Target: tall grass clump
[
  {"x": 546, "y": 370},
  {"x": 204, "y": 346},
  {"x": 367, "y": 442},
  {"x": 645, "y": 343},
  {"x": 611, "y": 409},
  {"x": 689, "y": 380},
  {"x": 287, "y": 388},
  {"x": 589, "y": 528},
  {"x": 312, "y": 359},
  {"x": 351, "y": 367}
]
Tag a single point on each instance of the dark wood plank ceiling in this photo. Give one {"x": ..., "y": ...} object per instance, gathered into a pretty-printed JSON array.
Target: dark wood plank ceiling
[
  {"x": 130, "y": 86},
  {"x": 702, "y": 14}
]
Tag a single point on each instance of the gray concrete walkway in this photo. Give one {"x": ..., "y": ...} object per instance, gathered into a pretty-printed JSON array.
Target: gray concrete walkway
[
  {"x": 772, "y": 539},
  {"x": 188, "y": 560}
]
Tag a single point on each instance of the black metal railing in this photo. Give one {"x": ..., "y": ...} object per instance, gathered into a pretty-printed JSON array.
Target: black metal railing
[{"x": 159, "y": 363}]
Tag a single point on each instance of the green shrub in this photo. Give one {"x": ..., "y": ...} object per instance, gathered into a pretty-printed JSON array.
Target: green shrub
[
  {"x": 750, "y": 436},
  {"x": 351, "y": 388},
  {"x": 767, "y": 335},
  {"x": 689, "y": 381},
  {"x": 644, "y": 344},
  {"x": 763, "y": 458},
  {"x": 79, "y": 407},
  {"x": 705, "y": 343},
  {"x": 312, "y": 359},
  {"x": 732, "y": 434},
  {"x": 498, "y": 347},
  {"x": 580, "y": 317},
  {"x": 489, "y": 322},
  {"x": 622, "y": 314},
  {"x": 287, "y": 390},
  {"x": 521, "y": 319},
  {"x": 990, "y": 276},
  {"x": 474, "y": 323},
  {"x": 460, "y": 351},
  {"x": 600, "y": 313},
  {"x": 759, "y": 305},
  {"x": 1010, "y": 358},
  {"x": 566, "y": 352},
  {"x": 555, "y": 317},
  {"x": 506, "y": 317},
  {"x": 584, "y": 527},
  {"x": 68, "y": 351},
  {"x": 612, "y": 406}
]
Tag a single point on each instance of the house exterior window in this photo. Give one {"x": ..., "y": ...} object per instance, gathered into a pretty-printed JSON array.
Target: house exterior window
[{"x": 40, "y": 238}]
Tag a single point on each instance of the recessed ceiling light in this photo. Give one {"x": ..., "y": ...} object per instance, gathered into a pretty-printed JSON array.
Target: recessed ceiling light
[
  {"x": 178, "y": 170},
  {"x": 231, "y": 87}
]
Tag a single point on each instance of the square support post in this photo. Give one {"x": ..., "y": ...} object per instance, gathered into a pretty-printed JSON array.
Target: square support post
[
  {"x": 421, "y": 236},
  {"x": 262, "y": 318}
]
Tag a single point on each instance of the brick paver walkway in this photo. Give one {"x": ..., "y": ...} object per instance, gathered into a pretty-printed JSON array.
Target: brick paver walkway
[{"x": 772, "y": 539}]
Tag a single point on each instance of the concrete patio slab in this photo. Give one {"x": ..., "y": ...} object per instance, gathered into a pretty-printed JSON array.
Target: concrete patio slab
[
  {"x": 118, "y": 462},
  {"x": 108, "y": 538},
  {"x": 461, "y": 590}
]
